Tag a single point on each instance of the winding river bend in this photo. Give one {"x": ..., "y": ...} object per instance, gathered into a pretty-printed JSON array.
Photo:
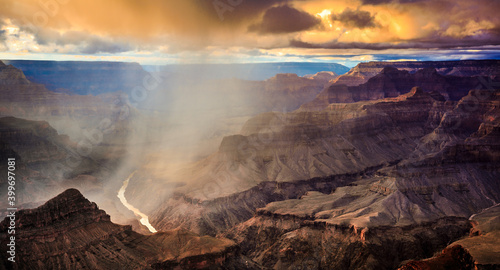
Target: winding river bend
[{"x": 143, "y": 218}]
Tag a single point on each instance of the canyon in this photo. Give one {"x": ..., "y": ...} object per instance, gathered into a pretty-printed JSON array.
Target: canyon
[
  {"x": 69, "y": 231},
  {"x": 391, "y": 165}
]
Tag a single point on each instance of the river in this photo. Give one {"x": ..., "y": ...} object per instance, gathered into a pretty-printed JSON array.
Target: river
[{"x": 143, "y": 218}]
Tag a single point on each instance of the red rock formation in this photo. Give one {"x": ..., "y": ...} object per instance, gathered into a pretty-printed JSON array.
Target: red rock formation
[
  {"x": 362, "y": 72},
  {"x": 279, "y": 241},
  {"x": 455, "y": 257},
  {"x": 391, "y": 82},
  {"x": 70, "y": 232},
  {"x": 426, "y": 184}
]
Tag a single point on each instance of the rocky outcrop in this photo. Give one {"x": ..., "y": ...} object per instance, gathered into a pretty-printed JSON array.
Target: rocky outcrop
[
  {"x": 288, "y": 241},
  {"x": 479, "y": 250},
  {"x": 483, "y": 243},
  {"x": 362, "y": 72},
  {"x": 296, "y": 232},
  {"x": 286, "y": 92},
  {"x": 35, "y": 141},
  {"x": 40, "y": 153},
  {"x": 11, "y": 75},
  {"x": 70, "y": 232},
  {"x": 453, "y": 176},
  {"x": 293, "y": 147},
  {"x": 212, "y": 217},
  {"x": 97, "y": 132},
  {"x": 455, "y": 257},
  {"x": 391, "y": 82},
  {"x": 69, "y": 114}
]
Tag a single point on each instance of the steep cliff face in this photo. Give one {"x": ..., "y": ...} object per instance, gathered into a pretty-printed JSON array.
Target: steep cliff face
[
  {"x": 11, "y": 75},
  {"x": 286, "y": 92},
  {"x": 97, "y": 134},
  {"x": 441, "y": 170},
  {"x": 362, "y": 72},
  {"x": 391, "y": 82},
  {"x": 23, "y": 136},
  {"x": 40, "y": 153},
  {"x": 212, "y": 217},
  {"x": 480, "y": 250},
  {"x": 377, "y": 208},
  {"x": 297, "y": 146},
  {"x": 303, "y": 145},
  {"x": 73, "y": 115},
  {"x": 453, "y": 174},
  {"x": 70, "y": 232},
  {"x": 288, "y": 241},
  {"x": 455, "y": 257}
]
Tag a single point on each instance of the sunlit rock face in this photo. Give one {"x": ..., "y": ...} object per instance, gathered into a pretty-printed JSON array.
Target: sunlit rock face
[
  {"x": 478, "y": 250},
  {"x": 70, "y": 232},
  {"x": 411, "y": 174},
  {"x": 304, "y": 145},
  {"x": 453, "y": 172},
  {"x": 392, "y": 82},
  {"x": 362, "y": 72},
  {"x": 290, "y": 241},
  {"x": 369, "y": 176}
]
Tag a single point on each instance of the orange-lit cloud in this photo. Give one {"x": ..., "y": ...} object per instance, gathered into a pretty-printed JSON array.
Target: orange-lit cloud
[{"x": 173, "y": 27}]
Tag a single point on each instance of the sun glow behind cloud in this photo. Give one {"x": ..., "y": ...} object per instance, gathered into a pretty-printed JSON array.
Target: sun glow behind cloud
[{"x": 192, "y": 31}]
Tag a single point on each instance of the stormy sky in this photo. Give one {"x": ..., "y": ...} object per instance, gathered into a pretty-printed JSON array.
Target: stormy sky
[{"x": 162, "y": 31}]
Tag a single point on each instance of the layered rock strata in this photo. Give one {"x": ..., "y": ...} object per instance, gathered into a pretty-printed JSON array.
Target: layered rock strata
[{"x": 70, "y": 232}]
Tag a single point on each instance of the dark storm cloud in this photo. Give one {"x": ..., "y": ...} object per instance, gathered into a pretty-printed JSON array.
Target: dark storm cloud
[
  {"x": 85, "y": 42},
  {"x": 285, "y": 19},
  {"x": 174, "y": 26},
  {"x": 380, "y": 2},
  {"x": 490, "y": 38},
  {"x": 236, "y": 11},
  {"x": 3, "y": 35},
  {"x": 375, "y": 2},
  {"x": 355, "y": 18},
  {"x": 47, "y": 36},
  {"x": 102, "y": 46}
]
